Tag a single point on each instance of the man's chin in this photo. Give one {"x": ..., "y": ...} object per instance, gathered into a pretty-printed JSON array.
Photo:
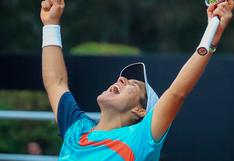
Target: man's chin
[
  {"x": 105, "y": 97},
  {"x": 101, "y": 97},
  {"x": 108, "y": 94}
]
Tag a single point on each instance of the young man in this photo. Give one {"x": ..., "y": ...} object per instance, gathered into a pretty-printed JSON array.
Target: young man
[{"x": 133, "y": 122}]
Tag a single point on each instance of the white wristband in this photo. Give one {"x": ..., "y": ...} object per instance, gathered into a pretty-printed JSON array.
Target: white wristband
[{"x": 51, "y": 35}]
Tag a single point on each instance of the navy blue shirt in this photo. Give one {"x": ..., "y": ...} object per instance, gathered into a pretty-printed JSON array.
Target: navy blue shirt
[{"x": 68, "y": 113}]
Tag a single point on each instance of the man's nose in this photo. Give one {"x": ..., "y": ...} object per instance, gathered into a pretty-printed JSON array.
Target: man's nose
[{"x": 122, "y": 80}]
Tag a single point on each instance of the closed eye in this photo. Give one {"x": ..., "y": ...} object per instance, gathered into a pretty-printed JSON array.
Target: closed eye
[{"x": 134, "y": 83}]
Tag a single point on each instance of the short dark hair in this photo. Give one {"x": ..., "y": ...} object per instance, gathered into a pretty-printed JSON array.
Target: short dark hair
[
  {"x": 143, "y": 101},
  {"x": 143, "y": 104}
]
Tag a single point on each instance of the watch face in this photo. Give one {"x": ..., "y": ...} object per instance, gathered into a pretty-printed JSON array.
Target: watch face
[{"x": 202, "y": 51}]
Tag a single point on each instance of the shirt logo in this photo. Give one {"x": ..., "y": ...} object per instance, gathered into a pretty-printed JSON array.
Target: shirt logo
[{"x": 119, "y": 147}]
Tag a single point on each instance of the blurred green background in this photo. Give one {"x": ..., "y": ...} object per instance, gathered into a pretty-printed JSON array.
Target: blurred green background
[
  {"x": 15, "y": 135},
  {"x": 94, "y": 27},
  {"x": 152, "y": 26}
]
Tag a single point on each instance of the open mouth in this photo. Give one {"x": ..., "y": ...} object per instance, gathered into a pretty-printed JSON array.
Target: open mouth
[{"x": 115, "y": 89}]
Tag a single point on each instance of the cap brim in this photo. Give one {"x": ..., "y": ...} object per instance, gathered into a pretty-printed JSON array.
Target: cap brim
[
  {"x": 135, "y": 71},
  {"x": 138, "y": 71}
]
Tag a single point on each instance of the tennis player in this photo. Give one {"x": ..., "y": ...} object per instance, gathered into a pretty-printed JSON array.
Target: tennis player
[{"x": 134, "y": 121}]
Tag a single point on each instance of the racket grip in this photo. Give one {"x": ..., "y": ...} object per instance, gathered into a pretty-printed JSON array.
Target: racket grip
[{"x": 208, "y": 36}]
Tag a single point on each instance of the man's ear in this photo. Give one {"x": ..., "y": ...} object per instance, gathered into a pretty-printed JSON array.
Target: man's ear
[{"x": 139, "y": 111}]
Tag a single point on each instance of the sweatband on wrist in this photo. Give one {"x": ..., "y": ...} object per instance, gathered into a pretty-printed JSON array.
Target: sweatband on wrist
[{"x": 51, "y": 36}]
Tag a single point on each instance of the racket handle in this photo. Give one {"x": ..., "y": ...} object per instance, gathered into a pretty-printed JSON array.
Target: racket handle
[{"x": 208, "y": 36}]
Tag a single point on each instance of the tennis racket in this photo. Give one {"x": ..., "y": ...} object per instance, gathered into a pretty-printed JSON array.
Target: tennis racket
[{"x": 210, "y": 31}]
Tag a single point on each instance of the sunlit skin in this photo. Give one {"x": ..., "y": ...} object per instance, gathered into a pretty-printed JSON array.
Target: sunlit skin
[
  {"x": 122, "y": 95},
  {"x": 121, "y": 101}
]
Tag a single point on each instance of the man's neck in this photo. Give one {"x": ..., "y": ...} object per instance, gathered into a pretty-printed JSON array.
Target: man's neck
[{"x": 110, "y": 121}]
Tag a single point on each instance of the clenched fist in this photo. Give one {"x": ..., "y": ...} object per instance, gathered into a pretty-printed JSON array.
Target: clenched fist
[
  {"x": 223, "y": 10},
  {"x": 51, "y": 11}
]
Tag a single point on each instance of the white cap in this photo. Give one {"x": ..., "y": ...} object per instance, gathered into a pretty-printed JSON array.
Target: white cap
[{"x": 138, "y": 71}]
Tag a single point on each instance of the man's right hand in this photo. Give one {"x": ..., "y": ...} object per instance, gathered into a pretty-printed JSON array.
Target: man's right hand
[
  {"x": 224, "y": 11},
  {"x": 51, "y": 11}
]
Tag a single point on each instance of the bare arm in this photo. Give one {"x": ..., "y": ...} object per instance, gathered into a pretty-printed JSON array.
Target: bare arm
[
  {"x": 54, "y": 75},
  {"x": 172, "y": 99},
  {"x": 53, "y": 67}
]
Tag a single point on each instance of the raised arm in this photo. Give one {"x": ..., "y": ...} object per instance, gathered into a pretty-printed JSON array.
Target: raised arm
[
  {"x": 53, "y": 66},
  {"x": 171, "y": 101}
]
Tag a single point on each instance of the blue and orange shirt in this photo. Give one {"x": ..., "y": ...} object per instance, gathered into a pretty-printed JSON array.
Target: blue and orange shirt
[{"x": 81, "y": 143}]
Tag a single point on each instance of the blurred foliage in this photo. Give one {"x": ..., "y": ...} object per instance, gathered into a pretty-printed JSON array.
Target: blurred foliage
[
  {"x": 92, "y": 48},
  {"x": 24, "y": 99},
  {"x": 152, "y": 25},
  {"x": 23, "y": 132}
]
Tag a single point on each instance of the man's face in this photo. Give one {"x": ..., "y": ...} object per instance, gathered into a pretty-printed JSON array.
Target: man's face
[{"x": 123, "y": 95}]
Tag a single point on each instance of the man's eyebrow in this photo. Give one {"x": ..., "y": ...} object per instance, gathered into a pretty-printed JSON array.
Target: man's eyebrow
[{"x": 136, "y": 82}]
